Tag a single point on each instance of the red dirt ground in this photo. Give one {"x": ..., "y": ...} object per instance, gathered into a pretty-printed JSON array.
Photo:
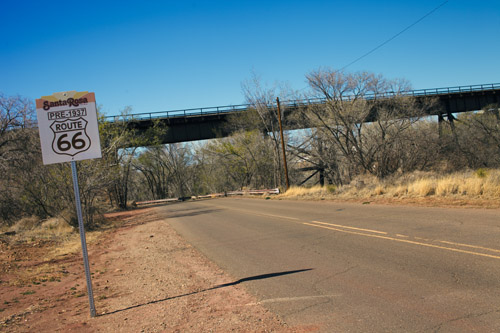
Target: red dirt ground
[{"x": 145, "y": 278}]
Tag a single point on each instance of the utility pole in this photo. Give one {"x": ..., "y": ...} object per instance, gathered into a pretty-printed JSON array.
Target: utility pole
[{"x": 283, "y": 144}]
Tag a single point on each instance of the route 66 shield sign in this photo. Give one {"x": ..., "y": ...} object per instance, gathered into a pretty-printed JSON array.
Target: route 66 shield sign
[
  {"x": 70, "y": 136},
  {"x": 68, "y": 128}
]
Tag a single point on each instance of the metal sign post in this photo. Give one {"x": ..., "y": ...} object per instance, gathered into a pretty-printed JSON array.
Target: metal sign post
[
  {"x": 69, "y": 132},
  {"x": 82, "y": 238}
]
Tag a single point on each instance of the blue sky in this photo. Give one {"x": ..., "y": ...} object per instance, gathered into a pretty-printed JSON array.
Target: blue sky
[{"x": 164, "y": 55}]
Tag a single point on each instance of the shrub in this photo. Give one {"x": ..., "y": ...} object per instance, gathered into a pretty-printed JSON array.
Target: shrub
[{"x": 481, "y": 173}]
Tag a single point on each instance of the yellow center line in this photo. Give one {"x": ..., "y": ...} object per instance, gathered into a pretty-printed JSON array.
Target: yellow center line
[
  {"x": 331, "y": 225},
  {"x": 282, "y": 217},
  {"x": 259, "y": 214},
  {"x": 472, "y": 246},
  {"x": 270, "y": 215},
  {"x": 354, "y": 228},
  {"x": 405, "y": 241}
]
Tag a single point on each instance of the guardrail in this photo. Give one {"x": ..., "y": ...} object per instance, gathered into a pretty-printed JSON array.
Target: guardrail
[
  {"x": 152, "y": 202},
  {"x": 214, "y": 110},
  {"x": 255, "y": 192},
  {"x": 214, "y": 195}
]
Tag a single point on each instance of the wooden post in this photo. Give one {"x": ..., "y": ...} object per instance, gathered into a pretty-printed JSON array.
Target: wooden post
[{"x": 283, "y": 145}]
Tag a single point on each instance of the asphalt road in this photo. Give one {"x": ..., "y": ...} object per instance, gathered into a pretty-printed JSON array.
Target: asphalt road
[{"x": 352, "y": 267}]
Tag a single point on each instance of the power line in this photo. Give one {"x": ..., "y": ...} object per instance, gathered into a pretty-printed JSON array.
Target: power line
[{"x": 396, "y": 35}]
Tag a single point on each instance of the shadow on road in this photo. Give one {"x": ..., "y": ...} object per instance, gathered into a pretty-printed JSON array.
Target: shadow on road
[
  {"x": 194, "y": 212},
  {"x": 251, "y": 278}
]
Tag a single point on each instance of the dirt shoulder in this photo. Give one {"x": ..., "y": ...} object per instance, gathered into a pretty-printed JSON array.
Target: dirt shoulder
[{"x": 146, "y": 278}]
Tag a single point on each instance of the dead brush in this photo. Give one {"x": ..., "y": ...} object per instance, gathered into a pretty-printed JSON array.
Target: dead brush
[
  {"x": 42, "y": 241},
  {"x": 315, "y": 192},
  {"x": 32, "y": 228},
  {"x": 481, "y": 184}
]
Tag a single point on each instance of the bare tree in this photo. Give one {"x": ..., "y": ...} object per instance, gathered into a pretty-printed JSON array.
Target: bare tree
[
  {"x": 168, "y": 170},
  {"x": 29, "y": 188},
  {"x": 474, "y": 141},
  {"x": 365, "y": 117},
  {"x": 152, "y": 166},
  {"x": 16, "y": 151},
  {"x": 314, "y": 155},
  {"x": 245, "y": 160},
  {"x": 16, "y": 116},
  {"x": 263, "y": 100},
  {"x": 121, "y": 142}
]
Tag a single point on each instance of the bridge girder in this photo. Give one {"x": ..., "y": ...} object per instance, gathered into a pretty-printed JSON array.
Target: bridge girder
[{"x": 211, "y": 126}]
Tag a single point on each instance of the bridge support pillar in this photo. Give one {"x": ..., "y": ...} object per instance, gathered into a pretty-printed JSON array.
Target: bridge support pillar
[
  {"x": 440, "y": 125},
  {"x": 322, "y": 177}
]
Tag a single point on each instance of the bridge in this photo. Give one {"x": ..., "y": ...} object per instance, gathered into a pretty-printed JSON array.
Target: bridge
[{"x": 207, "y": 123}]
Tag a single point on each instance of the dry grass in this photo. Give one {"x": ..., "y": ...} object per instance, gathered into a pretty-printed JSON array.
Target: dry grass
[
  {"x": 422, "y": 187},
  {"x": 33, "y": 252},
  {"x": 72, "y": 244},
  {"x": 32, "y": 227},
  {"x": 469, "y": 185},
  {"x": 65, "y": 238},
  {"x": 304, "y": 193},
  {"x": 32, "y": 230}
]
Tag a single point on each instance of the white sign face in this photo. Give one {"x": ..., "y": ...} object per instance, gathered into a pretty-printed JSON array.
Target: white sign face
[{"x": 67, "y": 123}]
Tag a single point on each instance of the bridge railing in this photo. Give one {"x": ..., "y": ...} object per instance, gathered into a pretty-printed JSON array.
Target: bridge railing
[
  {"x": 179, "y": 113},
  {"x": 214, "y": 110},
  {"x": 453, "y": 90}
]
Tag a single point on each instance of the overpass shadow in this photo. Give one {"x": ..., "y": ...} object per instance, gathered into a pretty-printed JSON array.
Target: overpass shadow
[{"x": 224, "y": 285}]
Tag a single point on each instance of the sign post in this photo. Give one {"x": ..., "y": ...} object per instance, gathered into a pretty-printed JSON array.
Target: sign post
[
  {"x": 69, "y": 132},
  {"x": 78, "y": 204}
]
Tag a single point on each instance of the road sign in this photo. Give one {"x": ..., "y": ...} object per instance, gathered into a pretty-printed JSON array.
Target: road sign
[
  {"x": 67, "y": 124},
  {"x": 68, "y": 128}
]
